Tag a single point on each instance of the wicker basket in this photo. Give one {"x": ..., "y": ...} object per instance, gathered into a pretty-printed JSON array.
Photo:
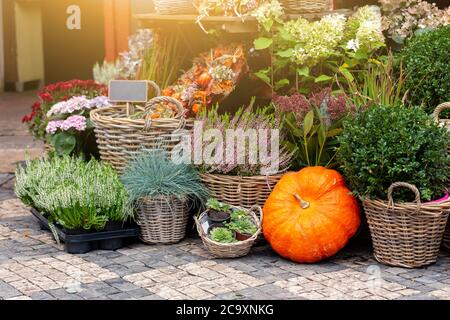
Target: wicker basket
[
  {"x": 445, "y": 123},
  {"x": 162, "y": 220},
  {"x": 174, "y": 6},
  {"x": 230, "y": 250},
  {"x": 407, "y": 234},
  {"x": 303, "y": 6},
  {"x": 119, "y": 137},
  {"x": 240, "y": 191}
]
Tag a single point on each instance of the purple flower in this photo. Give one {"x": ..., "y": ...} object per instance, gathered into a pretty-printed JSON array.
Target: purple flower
[
  {"x": 53, "y": 126},
  {"x": 77, "y": 123},
  {"x": 99, "y": 102}
]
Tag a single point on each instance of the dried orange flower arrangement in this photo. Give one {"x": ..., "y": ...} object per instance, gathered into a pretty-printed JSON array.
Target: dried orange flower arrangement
[{"x": 213, "y": 76}]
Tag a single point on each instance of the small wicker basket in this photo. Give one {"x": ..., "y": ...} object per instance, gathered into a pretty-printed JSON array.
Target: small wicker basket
[
  {"x": 119, "y": 137},
  {"x": 174, "y": 6},
  {"x": 304, "y": 6},
  {"x": 406, "y": 234},
  {"x": 446, "y": 124},
  {"x": 162, "y": 220},
  {"x": 230, "y": 250},
  {"x": 240, "y": 191}
]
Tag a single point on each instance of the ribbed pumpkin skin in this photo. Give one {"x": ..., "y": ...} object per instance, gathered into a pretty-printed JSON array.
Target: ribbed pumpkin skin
[{"x": 319, "y": 231}]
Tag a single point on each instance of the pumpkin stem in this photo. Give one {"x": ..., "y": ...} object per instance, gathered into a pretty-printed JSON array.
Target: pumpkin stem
[{"x": 303, "y": 203}]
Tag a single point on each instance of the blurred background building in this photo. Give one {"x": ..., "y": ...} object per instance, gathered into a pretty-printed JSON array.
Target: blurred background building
[{"x": 45, "y": 41}]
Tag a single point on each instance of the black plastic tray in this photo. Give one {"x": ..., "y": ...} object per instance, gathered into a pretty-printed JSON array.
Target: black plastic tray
[{"x": 83, "y": 243}]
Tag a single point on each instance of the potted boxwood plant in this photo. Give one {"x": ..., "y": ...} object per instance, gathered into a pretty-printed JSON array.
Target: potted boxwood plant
[{"x": 384, "y": 151}]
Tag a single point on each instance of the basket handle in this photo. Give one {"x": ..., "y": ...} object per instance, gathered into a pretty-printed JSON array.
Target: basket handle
[
  {"x": 439, "y": 109},
  {"x": 413, "y": 188},
  {"x": 257, "y": 209},
  {"x": 181, "y": 111}
]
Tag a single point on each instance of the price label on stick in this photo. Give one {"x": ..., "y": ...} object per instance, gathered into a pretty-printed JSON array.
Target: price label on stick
[{"x": 129, "y": 92}]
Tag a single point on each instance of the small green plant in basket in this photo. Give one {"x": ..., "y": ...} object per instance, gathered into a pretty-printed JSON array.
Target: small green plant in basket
[{"x": 223, "y": 235}]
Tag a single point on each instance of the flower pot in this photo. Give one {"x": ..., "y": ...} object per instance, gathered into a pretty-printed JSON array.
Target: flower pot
[
  {"x": 114, "y": 225},
  {"x": 219, "y": 216},
  {"x": 242, "y": 236}
]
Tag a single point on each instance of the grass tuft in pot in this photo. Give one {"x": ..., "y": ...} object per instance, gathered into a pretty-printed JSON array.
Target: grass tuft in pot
[{"x": 153, "y": 174}]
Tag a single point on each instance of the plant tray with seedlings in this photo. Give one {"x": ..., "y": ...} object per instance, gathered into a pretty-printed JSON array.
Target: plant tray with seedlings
[{"x": 85, "y": 241}]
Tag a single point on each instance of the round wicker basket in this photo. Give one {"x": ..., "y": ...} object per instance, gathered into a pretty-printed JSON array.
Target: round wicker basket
[
  {"x": 240, "y": 191},
  {"x": 231, "y": 250},
  {"x": 304, "y": 6},
  {"x": 445, "y": 123},
  {"x": 119, "y": 138},
  {"x": 162, "y": 220},
  {"x": 406, "y": 234}
]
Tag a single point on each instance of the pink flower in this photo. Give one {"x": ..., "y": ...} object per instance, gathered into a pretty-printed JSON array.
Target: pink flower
[
  {"x": 53, "y": 126},
  {"x": 77, "y": 123}
]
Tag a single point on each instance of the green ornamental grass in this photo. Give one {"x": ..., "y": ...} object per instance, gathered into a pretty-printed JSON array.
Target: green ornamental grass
[{"x": 153, "y": 174}]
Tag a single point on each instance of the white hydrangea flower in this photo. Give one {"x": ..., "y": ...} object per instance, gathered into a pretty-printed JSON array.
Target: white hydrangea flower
[{"x": 353, "y": 44}]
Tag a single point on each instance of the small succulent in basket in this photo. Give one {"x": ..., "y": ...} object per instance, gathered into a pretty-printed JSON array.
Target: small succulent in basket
[
  {"x": 242, "y": 224},
  {"x": 218, "y": 211},
  {"x": 223, "y": 235}
]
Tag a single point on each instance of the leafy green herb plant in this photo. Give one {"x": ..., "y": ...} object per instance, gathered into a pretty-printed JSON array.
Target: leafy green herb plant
[{"x": 217, "y": 205}]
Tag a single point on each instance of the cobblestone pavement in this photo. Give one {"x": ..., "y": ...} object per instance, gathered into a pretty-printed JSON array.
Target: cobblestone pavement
[{"x": 32, "y": 266}]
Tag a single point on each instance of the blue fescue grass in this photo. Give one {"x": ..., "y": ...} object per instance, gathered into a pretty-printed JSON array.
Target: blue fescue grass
[{"x": 153, "y": 174}]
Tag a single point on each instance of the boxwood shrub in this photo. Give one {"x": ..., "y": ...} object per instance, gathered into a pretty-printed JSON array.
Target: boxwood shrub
[
  {"x": 426, "y": 64},
  {"x": 383, "y": 145}
]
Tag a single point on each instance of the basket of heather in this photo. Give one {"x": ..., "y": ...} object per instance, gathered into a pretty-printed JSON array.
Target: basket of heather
[{"x": 235, "y": 176}]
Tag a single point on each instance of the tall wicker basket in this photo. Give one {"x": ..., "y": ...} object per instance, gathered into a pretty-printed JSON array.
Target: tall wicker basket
[
  {"x": 240, "y": 191},
  {"x": 445, "y": 123},
  {"x": 304, "y": 6},
  {"x": 119, "y": 138},
  {"x": 406, "y": 234},
  {"x": 162, "y": 220}
]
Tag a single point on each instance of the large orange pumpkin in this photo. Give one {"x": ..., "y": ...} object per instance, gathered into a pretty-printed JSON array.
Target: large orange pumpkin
[{"x": 310, "y": 215}]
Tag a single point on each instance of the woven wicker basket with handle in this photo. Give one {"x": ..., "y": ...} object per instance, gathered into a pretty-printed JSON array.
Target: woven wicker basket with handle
[
  {"x": 231, "y": 250},
  {"x": 119, "y": 137},
  {"x": 446, "y": 124},
  {"x": 406, "y": 234}
]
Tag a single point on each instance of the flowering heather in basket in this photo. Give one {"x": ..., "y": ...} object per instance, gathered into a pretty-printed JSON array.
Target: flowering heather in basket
[
  {"x": 54, "y": 93},
  {"x": 245, "y": 120}
]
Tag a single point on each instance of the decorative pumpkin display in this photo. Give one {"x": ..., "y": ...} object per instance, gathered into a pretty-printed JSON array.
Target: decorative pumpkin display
[{"x": 310, "y": 215}]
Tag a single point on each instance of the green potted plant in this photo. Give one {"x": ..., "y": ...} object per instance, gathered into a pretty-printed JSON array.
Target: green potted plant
[
  {"x": 218, "y": 211},
  {"x": 223, "y": 235},
  {"x": 163, "y": 192},
  {"x": 242, "y": 225},
  {"x": 384, "y": 151}
]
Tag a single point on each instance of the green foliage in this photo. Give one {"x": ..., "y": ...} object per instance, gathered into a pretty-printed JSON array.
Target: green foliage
[
  {"x": 385, "y": 144},
  {"x": 152, "y": 174},
  {"x": 222, "y": 235},
  {"x": 375, "y": 84},
  {"x": 72, "y": 192},
  {"x": 426, "y": 63},
  {"x": 242, "y": 223},
  {"x": 310, "y": 54},
  {"x": 217, "y": 205}
]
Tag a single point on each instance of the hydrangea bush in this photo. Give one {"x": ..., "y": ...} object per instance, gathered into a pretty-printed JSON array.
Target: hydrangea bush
[{"x": 307, "y": 54}]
